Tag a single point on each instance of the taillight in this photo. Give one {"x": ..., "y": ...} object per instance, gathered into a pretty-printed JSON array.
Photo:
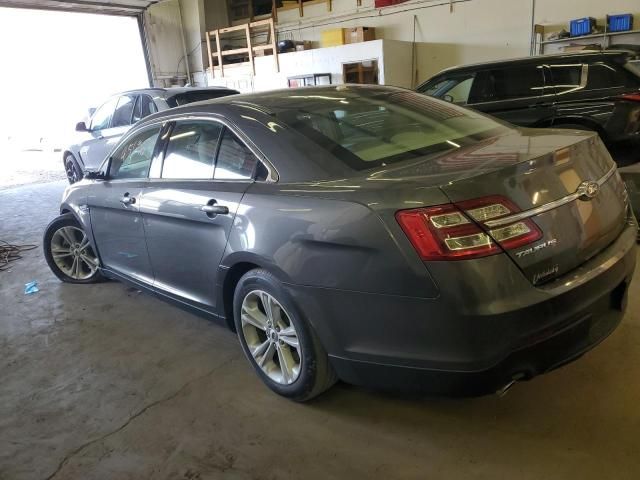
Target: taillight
[
  {"x": 455, "y": 232},
  {"x": 445, "y": 233},
  {"x": 633, "y": 97}
]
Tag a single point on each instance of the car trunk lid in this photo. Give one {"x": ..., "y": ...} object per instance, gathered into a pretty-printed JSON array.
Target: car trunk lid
[
  {"x": 533, "y": 172},
  {"x": 572, "y": 195}
]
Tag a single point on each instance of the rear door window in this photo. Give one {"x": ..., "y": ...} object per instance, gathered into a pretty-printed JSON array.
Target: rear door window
[
  {"x": 191, "y": 151},
  {"x": 147, "y": 106},
  {"x": 235, "y": 160},
  {"x": 144, "y": 107},
  {"x": 565, "y": 78},
  {"x": 509, "y": 83},
  {"x": 124, "y": 111}
]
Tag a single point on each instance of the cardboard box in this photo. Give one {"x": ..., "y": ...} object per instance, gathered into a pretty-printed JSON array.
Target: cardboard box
[
  {"x": 332, "y": 37},
  {"x": 302, "y": 46},
  {"x": 359, "y": 34}
]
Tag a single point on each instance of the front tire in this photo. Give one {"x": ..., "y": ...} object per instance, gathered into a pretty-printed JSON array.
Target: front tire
[
  {"x": 69, "y": 253},
  {"x": 72, "y": 169},
  {"x": 281, "y": 346}
]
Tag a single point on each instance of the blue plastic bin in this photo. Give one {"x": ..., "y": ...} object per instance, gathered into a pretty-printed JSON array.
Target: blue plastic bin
[
  {"x": 581, "y": 26},
  {"x": 620, "y": 23}
]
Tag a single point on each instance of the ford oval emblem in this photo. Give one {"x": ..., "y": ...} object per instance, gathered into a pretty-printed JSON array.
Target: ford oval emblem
[{"x": 588, "y": 189}]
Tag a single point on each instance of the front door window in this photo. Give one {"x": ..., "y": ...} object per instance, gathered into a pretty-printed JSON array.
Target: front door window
[{"x": 133, "y": 159}]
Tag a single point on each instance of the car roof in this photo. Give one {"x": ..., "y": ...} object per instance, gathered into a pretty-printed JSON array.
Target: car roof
[
  {"x": 589, "y": 54},
  {"x": 268, "y": 102},
  {"x": 271, "y": 99}
]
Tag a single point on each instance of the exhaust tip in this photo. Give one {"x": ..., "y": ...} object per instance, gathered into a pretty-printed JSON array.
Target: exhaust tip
[{"x": 502, "y": 391}]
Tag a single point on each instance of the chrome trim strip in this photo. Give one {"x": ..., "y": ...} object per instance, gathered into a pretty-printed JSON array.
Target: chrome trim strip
[{"x": 547, "y": 206}]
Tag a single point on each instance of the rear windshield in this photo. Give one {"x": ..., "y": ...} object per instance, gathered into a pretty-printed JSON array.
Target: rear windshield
[
  {"x": 365, "y": 129},
  {"x": 197, "y": 96}
]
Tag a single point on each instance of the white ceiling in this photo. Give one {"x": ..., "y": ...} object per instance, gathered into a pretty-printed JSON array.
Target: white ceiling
[{"x": 112, "y": 7}]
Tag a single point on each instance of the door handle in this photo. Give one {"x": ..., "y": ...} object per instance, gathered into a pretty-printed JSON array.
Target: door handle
[
  {"x": 127, "y": 200},
  {"x": 212, "y": 210}
]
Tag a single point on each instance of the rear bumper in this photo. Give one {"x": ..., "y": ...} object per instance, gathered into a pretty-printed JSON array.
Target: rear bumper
[
  {"x": 457, "y": 344},
  {"x": 559, "y": 348}
]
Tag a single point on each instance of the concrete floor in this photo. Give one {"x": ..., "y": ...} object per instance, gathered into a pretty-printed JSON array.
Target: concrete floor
[
  {"x": 27, "y": 167},
  {"x": 103, "y": 382}
]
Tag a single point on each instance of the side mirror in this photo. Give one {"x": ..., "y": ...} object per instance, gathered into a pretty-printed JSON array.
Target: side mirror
[
  {"x": 101, "y": 174},
  {"x": 81, "y": 127},
  {"x": 447, "y": 98}
]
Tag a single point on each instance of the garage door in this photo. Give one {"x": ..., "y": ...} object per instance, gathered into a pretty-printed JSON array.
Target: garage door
[{"x": 111, "y": 7}]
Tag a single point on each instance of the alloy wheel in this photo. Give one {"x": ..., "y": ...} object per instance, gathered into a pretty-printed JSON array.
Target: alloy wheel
[
  {"x": 72, "y": 253},
  {"x": 71, "y": 170},
  {"x": 271, "y": 337}
]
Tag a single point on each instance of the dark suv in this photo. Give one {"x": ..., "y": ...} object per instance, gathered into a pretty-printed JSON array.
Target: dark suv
[{"x": 598, "y": 91}]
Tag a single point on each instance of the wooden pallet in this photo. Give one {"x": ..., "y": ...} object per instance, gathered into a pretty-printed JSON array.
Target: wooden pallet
[{"x": 250, "y": 49}]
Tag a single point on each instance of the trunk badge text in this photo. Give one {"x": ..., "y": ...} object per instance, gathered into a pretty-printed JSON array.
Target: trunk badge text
[
  {"x": 545, "y": 274},
  {"x": 536, "y": 248},
  {"x": 587, "y": 190}
]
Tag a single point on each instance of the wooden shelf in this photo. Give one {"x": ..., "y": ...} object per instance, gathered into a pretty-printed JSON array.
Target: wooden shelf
[{"x": 219, "y": 54}]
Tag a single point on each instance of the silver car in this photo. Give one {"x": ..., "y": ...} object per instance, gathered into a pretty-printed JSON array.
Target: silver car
[
  {"x": 110, "y": 121},
  {"x": 363, "y": 233}
]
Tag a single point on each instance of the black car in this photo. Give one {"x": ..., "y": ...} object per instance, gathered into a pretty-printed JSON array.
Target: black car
[{"x": 596, "y": 91}]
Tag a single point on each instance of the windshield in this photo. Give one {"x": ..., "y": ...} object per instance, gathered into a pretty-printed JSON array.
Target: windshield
[{"x": 366, "y": 129}]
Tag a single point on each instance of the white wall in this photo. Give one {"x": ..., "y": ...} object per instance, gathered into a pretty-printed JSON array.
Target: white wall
[
  {"x": 476, "y": 30},
  {"x": 322, "y": 60}
]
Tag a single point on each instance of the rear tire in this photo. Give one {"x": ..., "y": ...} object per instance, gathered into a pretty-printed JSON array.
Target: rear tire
[
  {"x": 281, "y": 337},
  {"x": 72, "y": 169},
  {"x": 68, "y": 252}
]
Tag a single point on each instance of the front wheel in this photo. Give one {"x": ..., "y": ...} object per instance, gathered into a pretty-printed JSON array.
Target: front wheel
[
  {"x": 69, "y": 253},
  {"x": 283, "y": 349},
  {"x": 72, "y": 169}
]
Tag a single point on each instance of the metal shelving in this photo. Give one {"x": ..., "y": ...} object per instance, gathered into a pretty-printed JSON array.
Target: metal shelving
[{"x": 603, "y": 35}]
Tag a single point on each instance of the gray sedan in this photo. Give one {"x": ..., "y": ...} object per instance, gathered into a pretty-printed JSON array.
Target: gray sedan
[
  {"x": 369, "y": 234},
  {"x": 109, "y": 122}
]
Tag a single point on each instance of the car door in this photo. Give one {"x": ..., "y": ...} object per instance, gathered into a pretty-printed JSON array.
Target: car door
[
  {"x": 516, "y": 94},
  {"x": 114, "y": 206},
  {"x": 189, "y": 209},
  {"x": 589, "y": 94},
  {"x": 92, "y": 150},
  {"x": 107, "y": 127}
]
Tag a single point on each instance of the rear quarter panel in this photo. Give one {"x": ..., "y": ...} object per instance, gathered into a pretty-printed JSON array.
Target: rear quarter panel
[{"x": 319, "y": 241}]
